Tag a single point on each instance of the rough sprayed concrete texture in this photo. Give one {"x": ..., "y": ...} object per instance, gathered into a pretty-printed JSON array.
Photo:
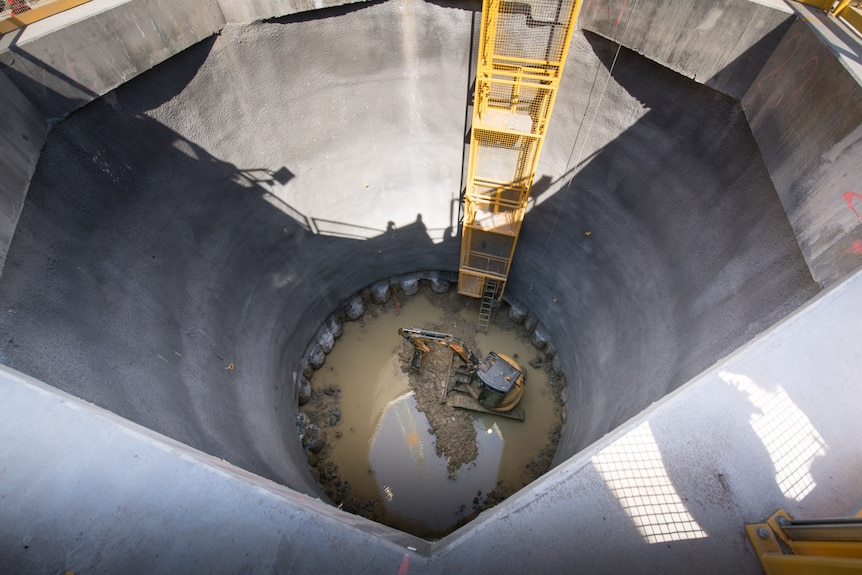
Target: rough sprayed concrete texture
[
  {"x": 152, "y": 252},
  {"x": 688, "y": 254},
  {"x": 804, "y": 115},
  {"x": 722, "y": 44},
  {"x": 244, "y": 11},
  {"x": 66, "y": 61},
  {"x": 154, "y": 258},
  {"x": 20, "y": 144}
]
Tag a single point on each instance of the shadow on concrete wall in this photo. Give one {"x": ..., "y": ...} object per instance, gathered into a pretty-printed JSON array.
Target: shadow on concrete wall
[
  {"x": 143, "y": 266},
  {"x": 669, "y": 245}
]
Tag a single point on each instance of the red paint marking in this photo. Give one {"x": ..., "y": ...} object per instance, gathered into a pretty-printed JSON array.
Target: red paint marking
[
  {"x": 405, "y": 562},
  {"x": 590, "y": 6},
  {"x": 805, "y": 81},
  {"x": 856, "y": 248},
  {"x": 623, "y": 9},
  {"x": 761, "y": 80},
  {"x": 766, "y": 93},
  {"x": 848, "y": 197}
]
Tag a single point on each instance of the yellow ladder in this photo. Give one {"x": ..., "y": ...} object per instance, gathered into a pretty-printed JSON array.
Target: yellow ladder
[{"x": 522, "y": 49}]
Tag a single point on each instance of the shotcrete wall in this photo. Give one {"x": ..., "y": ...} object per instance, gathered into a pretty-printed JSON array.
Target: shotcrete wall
[
  {"x": 796, "y": 72},
  {"x": 722, "y": 44},
  {"x": 218, "y": 209},
  {"x": 804, "y": 115}
]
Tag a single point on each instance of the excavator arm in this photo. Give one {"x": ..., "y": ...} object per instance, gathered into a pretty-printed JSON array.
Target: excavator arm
[{"x": 420, "y": 339}]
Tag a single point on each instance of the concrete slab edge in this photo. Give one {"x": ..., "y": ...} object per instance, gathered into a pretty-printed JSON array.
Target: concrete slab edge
[{"x": 113, "y": 427}]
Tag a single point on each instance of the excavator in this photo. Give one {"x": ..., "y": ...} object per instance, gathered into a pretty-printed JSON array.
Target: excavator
[{"x": 493, "y": 385}]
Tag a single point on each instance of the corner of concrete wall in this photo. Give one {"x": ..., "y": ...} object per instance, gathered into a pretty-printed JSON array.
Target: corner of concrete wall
[
  {"x": 723, "y": 44},
  {"x": 21, "y": 143},
  {"x": 55, "y": 66},
  {"x": 241, "y": 11},
  {"x": 803, "y": 109},
  {"x": 63, "y": 62}
]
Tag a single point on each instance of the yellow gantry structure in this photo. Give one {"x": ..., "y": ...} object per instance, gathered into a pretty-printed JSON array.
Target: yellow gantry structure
[{"x": 522, "y": 49}]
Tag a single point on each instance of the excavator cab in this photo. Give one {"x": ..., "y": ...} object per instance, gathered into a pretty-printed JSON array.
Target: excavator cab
[{"x": 498, "y": 376}]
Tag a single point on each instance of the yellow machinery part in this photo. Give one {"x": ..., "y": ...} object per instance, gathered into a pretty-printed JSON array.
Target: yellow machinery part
[
  {"x": 522, "y": 49},
  {"x": 823, "y": 547}
]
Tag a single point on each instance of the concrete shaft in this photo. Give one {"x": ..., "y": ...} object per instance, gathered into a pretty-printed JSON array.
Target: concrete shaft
[
  {"x": 157, "y": 249},
  {"x": 218, "y": 208}
]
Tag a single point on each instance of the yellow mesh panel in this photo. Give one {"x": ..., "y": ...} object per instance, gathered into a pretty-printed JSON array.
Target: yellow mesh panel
[{"x": 522, "y": 48}]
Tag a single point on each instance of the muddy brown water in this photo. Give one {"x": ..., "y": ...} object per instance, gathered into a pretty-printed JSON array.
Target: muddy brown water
[{"x": 382, "y": 444}]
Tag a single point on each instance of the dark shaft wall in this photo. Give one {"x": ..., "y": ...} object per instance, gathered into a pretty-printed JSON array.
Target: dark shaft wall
[{"x": 217, "y": 209}]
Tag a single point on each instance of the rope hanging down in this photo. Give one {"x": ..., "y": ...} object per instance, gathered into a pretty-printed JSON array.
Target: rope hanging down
[{"x": 590, "y": 128}]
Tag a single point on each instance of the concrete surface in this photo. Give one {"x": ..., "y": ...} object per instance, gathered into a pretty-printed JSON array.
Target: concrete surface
[
  {"x": 55, "y": 66},
  {"x": 774, "y": 425},
  {"x": 20, "y": 144},
  {"x": 117, "y": 497},
  {"x": 86, "y": 491},
  {"x": 65, "y": 61},
  {"x": 243, "y": 11},
  {"x": 804, "y": 113},
  {"x": 166, "y": 260},
  {"x": 722, "y": 43},
  {"x": 218, "y": 208},
  {"x": 688, "y": 256},
  {"x": 181, "y": 244}
]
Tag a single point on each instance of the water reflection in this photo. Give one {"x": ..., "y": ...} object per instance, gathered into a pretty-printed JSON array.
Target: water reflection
[{"x": 412, "y": 478}]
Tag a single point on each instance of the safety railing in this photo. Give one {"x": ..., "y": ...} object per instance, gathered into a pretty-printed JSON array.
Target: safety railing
[
  {"x": 17, "y": 13},
  {"x": 848, "y": 10},
  {"x": 522, "y": 49}
]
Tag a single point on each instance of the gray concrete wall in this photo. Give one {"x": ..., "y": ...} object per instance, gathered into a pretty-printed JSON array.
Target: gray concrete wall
[
  {"x": 242, "y": 11},
  {"x": 63, "y": 62},
  {"x": 797, "y": 75},
  {"x": 747, "y": 437},
  {"x": 689, "y": 253},
  {"x": 216, "y": 209},
  {"x": 159, "y": 248},
  {"x": 186, "y": 244},
  {"x": 57, "y": 65},
  {"x": 85, "y": 491},
  {"x": 804, "y": 112},
  {"x": 722, "y": 44},
  {"x": 66, "y": 61},
  {"x": 20, "y": 144}
]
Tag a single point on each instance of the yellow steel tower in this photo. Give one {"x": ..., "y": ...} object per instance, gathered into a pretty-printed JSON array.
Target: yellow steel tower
[{"x": 522, "y": 48}]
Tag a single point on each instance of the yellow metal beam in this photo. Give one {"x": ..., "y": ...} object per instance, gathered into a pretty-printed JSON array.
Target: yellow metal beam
[
  {"x": 851, "y": 15},
  {"x": 522, "y": 49},
  {"x": 783, "y": 549}
]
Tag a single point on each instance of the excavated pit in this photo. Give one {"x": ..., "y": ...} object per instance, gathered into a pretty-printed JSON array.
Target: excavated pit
[
  {"x": 185, "y": 236},
  {"x": 380, "y": 437}
]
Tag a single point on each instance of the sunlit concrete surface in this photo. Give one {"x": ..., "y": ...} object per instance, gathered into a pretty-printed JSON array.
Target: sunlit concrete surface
[
  {"x": 216, "y": 209},
  {"x": 666, "y": 492}
]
